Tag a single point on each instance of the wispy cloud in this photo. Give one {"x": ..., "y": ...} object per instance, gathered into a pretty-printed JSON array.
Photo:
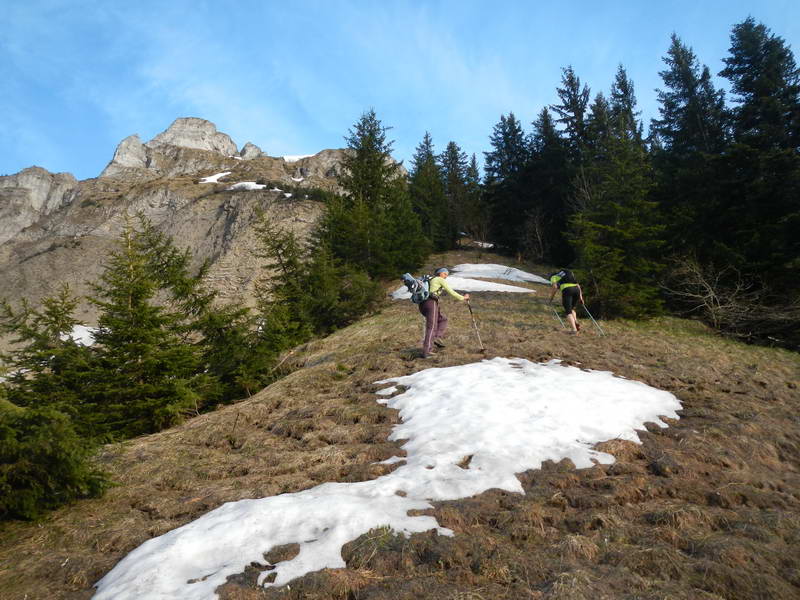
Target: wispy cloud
[{"x": 293, "y": 77}]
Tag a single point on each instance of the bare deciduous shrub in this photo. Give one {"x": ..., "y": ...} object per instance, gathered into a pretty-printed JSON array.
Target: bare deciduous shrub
[
  {"x": 730, "y": 303},
  {"x": 534, "y": 240}
]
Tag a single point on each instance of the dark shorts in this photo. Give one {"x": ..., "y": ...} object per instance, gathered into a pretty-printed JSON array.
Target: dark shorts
[{"x": 570, "y": 297}]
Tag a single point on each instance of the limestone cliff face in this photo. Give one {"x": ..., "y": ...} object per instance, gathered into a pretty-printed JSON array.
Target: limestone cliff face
[
  {"x": 327, "y": 163},
  {"x": 191, "y": 132},
  {"x": 30, "y": 195},
  {"x": 166, "y": 154},
  {"x": 191, "y": 146}
]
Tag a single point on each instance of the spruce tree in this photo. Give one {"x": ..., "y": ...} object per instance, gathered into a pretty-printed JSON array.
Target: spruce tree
[
  {"x": 690, "y": 134},
  {"x": 616, "y": 229},
  {"x": 758, "y": 175},
  {"x": 282, "y": 294},
  {"x": 766, "y": 86},
  {"x": 427, "y": 192},
  {"x": 509, "y": 152},
  {"x": 505, "y": 189},
  {"x": 572, "y": 111},
  {"x": 454, "y": 166},
  {"x": 373, "y": 225},
  {"x": 222, "y": 332},
  {"x": 477, "y": 216},
  {"x": 44, "y": 463},
  {"x": 368, "y": 167},
  {"x": 551, "y": 174},
  {"x": 338, "y": 294},
  {"x": 622, "y": 107},
  {"x": 44, "y": 443},
  {"x": 599, "y": 123},
  {"x": 49, "y": 365},
  {"x": 144, "y": 377},
  {"x": 692, "y": 111},
  {"x": 617, "y": 234}
]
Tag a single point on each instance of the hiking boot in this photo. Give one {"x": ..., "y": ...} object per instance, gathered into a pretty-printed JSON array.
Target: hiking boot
[{"x": 439, "y": 343}]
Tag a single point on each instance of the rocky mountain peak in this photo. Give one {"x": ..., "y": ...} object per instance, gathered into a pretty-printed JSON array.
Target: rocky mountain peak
[
  {"x": 130, "y": 153},
  {"x": 250, "y": 151},
  {"x": 191, "y": 132},
  {"x": 28, "y": 195}
]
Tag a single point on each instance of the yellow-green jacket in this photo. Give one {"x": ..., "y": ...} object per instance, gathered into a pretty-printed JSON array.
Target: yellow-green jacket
[{"x": 438, "y": 285}]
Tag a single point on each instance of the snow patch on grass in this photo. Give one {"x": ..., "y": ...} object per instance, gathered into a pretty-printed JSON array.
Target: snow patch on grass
[{"x": 508, "y": 414}]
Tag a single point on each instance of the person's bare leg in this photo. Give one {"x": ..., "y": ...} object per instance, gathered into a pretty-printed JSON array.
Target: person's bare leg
[{"x": 573, "y": 321}]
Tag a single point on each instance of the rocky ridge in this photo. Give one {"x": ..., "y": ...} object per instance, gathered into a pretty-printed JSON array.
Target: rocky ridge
[
  {"x": 55, "y": 229},
  {"x": 30, "y": 195}
]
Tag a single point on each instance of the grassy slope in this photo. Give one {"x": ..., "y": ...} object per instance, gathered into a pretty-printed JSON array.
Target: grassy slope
[{"x": 708, "y": 508}]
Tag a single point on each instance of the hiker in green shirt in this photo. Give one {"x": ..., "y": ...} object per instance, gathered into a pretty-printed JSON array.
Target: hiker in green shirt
[
  {"x": 435, "y": 321},
  {"x": 571, "y": 295}
]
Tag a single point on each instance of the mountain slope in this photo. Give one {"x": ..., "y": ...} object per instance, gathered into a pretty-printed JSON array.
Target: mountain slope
[
  {"x": 54, "y": 229},
  {"x": 706, "y": 508}
]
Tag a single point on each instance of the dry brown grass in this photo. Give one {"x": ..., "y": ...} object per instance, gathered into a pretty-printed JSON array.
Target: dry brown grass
[{"x": 705, "y": 509}]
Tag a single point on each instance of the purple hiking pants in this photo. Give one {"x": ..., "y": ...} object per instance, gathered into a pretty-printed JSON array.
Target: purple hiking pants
[{"x": 435, "y": 324}]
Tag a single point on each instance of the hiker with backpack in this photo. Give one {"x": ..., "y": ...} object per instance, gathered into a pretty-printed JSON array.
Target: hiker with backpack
[
  {"x": 571, "y": 295},
  {"x": 426, "y": 294}
]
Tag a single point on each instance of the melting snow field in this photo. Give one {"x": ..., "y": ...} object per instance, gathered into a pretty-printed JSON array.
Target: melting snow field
[
  {"x": 214, "y": 178},
  {"x": 508, "y": 414},
  {"x": 246, "y": 185},
  {"x": 490, "y": 271},
  {"x": 462, "y": 279}
]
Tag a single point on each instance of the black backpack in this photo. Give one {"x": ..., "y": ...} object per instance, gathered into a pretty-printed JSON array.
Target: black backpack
[
  {"x": 566, "y": 276},
  {"x": 419, "y": 288}
]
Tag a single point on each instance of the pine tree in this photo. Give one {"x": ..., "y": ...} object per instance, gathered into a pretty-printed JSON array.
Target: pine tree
[
  {"x": 551, "y": 175},
  {"x": 368, "y": 167},
  {"x": 766, "y": 83},
  {"x": 572, "y": 111},
  {"x": 505, "y": 188},
  {"x": 758, "y": 175},
  {"x": 690, "y": 133},
  {"x": 49, "y": 365},
  {"x": 622, "y": 107},
  {"x": 427, "y": 192},
  {"x": 599, "y": 124},
  {"x": 477, "y": 216},
  {"x": 373, "y": 226},
  {"x": 44, "y": 462},
  {"x": 509, "y": 151},
  {"x": 145, "y": 377},
  {"x": 692, "y": 111},
  {"x": 454, "y": 166},
  {"x": 617, "y": 235}
]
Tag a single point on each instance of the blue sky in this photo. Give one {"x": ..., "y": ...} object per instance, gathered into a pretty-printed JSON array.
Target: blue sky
[{"x": 293, "y": 77}]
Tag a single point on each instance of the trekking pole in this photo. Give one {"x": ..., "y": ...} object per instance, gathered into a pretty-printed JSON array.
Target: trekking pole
[
  {"x": 555, "y": 312},
  {"x": 475, "y": 325},
  {"x": 593, "y": 321}
]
